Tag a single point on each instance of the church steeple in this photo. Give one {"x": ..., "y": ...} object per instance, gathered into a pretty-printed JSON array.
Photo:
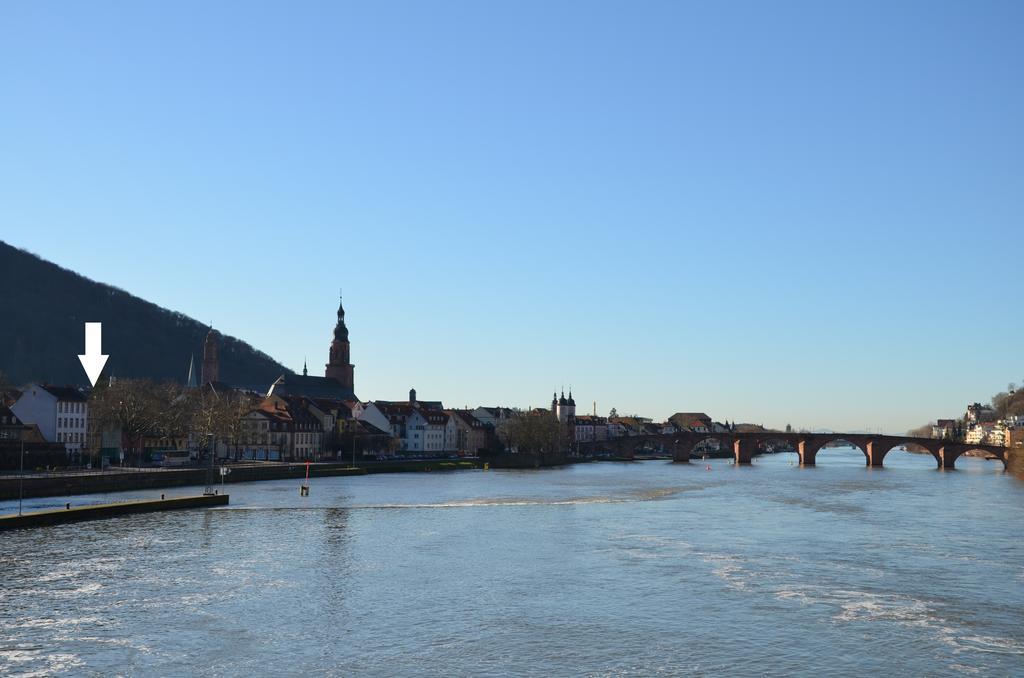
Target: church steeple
[
  {"x": 338, "y": 366},
  {"x": 340, "y": 330},
  {"x": 211, "y": 357}
]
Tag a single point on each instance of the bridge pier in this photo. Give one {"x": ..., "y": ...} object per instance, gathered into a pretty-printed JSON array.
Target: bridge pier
[
  {"x": 808, "y": 452},
  {"x": 681, "y": 452},
  {"x": 744, "y": 451},
  {"x": 876, "y": 452},
  {"x": 948, "y": 456}
]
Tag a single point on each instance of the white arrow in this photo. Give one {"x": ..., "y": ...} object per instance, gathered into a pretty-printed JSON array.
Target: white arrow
[{"x": 93, "y": 360}]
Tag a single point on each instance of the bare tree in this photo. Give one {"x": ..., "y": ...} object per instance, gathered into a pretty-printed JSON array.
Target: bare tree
[
  {"x": 131, "y": 405},
  {"x": 533, "y": 433},
  {"x": 216, "y": 417},
  {"x": 922, "y": 431}
]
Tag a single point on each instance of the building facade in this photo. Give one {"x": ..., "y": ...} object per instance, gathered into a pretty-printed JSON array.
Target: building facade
[{"x": 60, "y": 412}]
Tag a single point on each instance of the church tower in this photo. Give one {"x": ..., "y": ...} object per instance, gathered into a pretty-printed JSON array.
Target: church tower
[
  {"x": 339, "y": 367},
  {"x": 211, "y": 359}
]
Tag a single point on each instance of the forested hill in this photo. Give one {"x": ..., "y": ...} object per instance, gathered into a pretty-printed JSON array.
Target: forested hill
[{"x": 43, "y": 310}]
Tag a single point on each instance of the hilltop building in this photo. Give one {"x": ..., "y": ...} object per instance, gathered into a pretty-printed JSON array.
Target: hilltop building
[{"x": 979, "y": 414}]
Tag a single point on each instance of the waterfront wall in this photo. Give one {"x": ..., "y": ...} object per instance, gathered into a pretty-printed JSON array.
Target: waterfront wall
[
  {"x": 63, "y": 485},
  {"x": 100, "y": 511},
  {"x": 525, "y": 460}
]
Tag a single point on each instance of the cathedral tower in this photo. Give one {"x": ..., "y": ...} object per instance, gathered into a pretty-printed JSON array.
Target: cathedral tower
[
  {"x": 211, "y": 358},
  {"x": 339, "y": 367}
]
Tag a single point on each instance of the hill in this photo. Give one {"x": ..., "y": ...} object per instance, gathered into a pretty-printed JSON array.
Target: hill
[{"x": 43, "y": 308}]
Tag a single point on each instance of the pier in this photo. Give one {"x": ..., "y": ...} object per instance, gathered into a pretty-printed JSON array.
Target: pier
[{"x": 99, "y": 511}]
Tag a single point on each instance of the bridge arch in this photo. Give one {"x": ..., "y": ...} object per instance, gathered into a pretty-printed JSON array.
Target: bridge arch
[
  {"x": 880, "y": 446},
  {"x": 775, "y": 443},
  {"x": 810, "y": 447},
  {"x": 948, "y": 454},
  {"x": 684, "y": 445}
]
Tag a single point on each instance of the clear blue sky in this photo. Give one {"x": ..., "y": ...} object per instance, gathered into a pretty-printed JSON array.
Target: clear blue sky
[{"x": 777, "y": 212}]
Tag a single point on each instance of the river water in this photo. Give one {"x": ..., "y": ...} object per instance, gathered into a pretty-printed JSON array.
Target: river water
[{"x": 594, "y": 569}]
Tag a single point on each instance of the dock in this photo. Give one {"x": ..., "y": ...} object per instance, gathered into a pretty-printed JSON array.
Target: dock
[{"x": 99, "y": 511}]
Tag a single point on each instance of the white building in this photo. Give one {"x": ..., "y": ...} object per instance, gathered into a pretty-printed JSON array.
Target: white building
[
  {"x": 60, "y": 412},
  {"x": 988, "y": 433},
  {"x": 616, "y": 430},
  {"x": 421, "y": 429}
]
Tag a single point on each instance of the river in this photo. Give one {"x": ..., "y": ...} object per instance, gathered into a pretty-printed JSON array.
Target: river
[{"x": 594, "y": 569}]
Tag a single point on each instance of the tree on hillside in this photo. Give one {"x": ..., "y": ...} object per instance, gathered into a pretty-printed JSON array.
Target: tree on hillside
[{"x": 1008, "y": 403}]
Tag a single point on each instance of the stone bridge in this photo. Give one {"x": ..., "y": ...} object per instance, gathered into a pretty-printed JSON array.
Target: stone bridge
[{"x": 745, "y": 445}]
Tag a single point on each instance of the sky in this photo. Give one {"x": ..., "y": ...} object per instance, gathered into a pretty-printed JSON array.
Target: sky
[{"x": 803, "y": 213}]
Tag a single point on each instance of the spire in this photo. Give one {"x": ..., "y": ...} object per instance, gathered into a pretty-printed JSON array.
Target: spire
[
  {"x": 305, "y": 372},
  {"x": 340, "y": 330},
  {"x": 192, "y": 381}
]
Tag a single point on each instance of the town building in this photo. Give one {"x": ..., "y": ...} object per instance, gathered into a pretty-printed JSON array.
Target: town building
[
  {"x": 979, "y": 414},
  {"x": 987, "y": 433},
  {"x": 616, "y": 429},
  {"x": 22, "y": 446},
  {"x": 14, "y": 429},
  {"x": 422, "y": 428},
  {"x": 281, "y": 428},
  {"x": 60, "y": 412},
  {"x": 590, "y": 428},
  {"x": 472, "y": 433},
  {"x": 698, "y": 422},
  {"x": 944, "y": 429},
  {"x": 492, "y": 417}
]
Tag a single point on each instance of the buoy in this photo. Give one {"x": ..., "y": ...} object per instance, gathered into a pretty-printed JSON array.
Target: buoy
[{"x": 304, "y": 489}]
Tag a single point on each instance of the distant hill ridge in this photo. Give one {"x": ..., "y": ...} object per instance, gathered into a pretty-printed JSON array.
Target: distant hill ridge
[{"x": 43, "y": 308}]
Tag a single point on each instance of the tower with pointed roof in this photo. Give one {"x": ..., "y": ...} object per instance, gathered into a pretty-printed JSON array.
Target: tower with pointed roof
[
  {"x": 338, "y": 366},
  {"x": 564, "y": 408}
]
